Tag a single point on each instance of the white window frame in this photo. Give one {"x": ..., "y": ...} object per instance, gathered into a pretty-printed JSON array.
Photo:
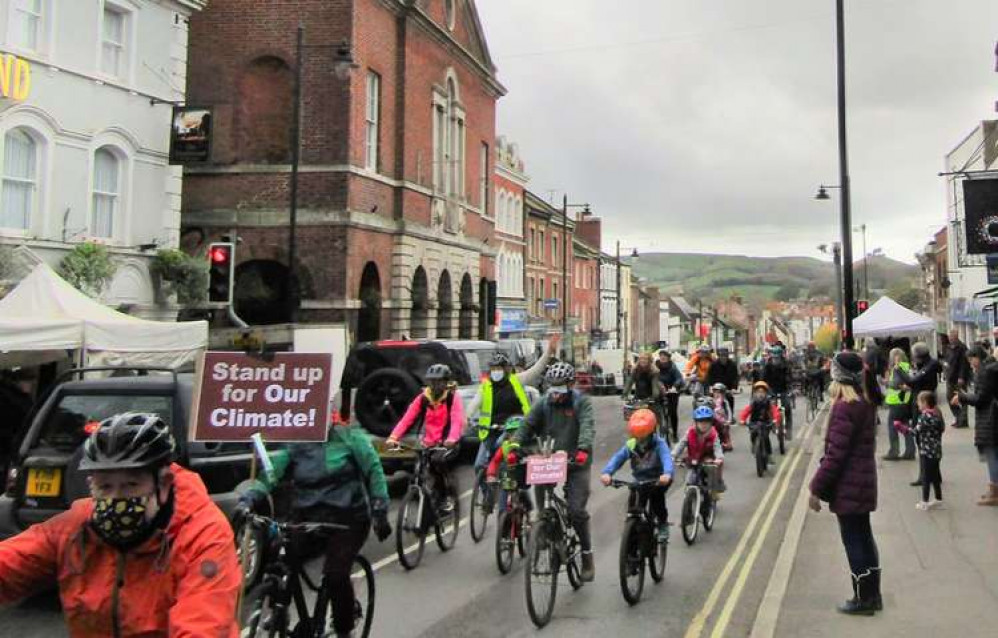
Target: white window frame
[
  {"x": 42, "y": 17},
  {"x": 483, "y": 191},
  {"x": 33, "y": 182},
  {"x": 126, "y": 48},
  {"x": 372, "y": 123},
  {"x": 450, "y": 14}
]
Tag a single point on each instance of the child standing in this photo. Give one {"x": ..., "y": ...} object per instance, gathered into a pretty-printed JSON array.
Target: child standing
[{"x": 929, "y": 430}]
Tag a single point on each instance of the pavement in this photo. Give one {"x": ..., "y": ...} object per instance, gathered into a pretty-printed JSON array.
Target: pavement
[{"x": 940, "y": 568}]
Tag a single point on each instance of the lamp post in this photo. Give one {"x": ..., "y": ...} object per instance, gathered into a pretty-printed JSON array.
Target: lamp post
[
  {"x": 845, "y": 210},
  {"x": 564, "y": 268},
  {"x": 621, "y": 313},
  {"x": 837, "y": 260},
  {"x": 343, "y": 65}
]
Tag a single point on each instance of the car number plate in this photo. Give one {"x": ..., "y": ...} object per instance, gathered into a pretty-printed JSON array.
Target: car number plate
[{"x": 44, "y": 481}]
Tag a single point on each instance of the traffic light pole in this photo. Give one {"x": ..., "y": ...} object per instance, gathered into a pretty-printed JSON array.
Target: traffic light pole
[
  {"x": 292, "y": 285},
  {"x": 845, "y": 202}
]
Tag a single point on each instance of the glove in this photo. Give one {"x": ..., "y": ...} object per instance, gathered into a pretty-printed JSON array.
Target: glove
[
  {"x": 512, "y": 458},
  {"x": 581, "y": 456},
  {"x": 382, "y": 528},
  {"x": 242, "y": 512}
]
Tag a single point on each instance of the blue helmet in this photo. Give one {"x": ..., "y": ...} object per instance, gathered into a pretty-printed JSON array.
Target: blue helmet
[{"x": 703, "y": 413}]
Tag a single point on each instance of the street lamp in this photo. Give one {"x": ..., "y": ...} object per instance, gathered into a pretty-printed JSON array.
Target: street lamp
[
  {"x": 845, "y": 210},
  {"x": 823, "y": 193}
]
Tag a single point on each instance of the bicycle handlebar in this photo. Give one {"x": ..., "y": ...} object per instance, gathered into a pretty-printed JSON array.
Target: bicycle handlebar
[
  {"x": 265, "y": 521},
  {"x": 617, "y": 483}
]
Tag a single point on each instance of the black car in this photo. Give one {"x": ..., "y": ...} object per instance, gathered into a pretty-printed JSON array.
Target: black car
[{"x": 43, "y": 478}]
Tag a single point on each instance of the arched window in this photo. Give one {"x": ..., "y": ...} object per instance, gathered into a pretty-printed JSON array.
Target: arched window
[
  {"x": 106, "y": 193},
  {"x": 20, "y": 170}
]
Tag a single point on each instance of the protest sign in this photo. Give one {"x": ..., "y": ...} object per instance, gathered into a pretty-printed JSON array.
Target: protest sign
[{"x": 284, "y": 398}]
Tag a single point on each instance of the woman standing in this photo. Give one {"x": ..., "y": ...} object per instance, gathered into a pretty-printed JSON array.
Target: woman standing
[
  {"x": 898, "y": 408},
  {"x": 985, "y": 428},
  {"x": 847, "y": 476}
]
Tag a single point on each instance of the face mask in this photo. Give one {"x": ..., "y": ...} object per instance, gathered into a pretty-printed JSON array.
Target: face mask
[
  {"x": 497, "y": 375},
  {"x": 558, "y": 392},
  {"x": 122, "y": 522}
]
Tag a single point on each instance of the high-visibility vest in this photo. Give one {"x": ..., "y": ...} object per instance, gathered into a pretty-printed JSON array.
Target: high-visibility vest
[
  {"x": 485, "y": 416},
  {"x": 894, "y": 395}
]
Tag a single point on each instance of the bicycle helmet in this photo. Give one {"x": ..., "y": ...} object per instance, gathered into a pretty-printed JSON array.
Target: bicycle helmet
[
  {"x": 560, "y": 373},
  {"x": 760, "y": 385},
  {"x": 703, "y": 413},
  {"x": 128, "y": 441},
  {"x": 438, "y": 371},
  {"x": 499, "y": 360},
  {"x": 718, "y": 387},
  {"x": 723, "y": 351},
  {"x": 514, "y": 423},
  {"x": 642, "y": 423}
]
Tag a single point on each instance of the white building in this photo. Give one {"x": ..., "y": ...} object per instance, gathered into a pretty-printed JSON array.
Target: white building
[
  {"x": 510, "y": 183},
  {"x": 608, "y": 302},
  {"x": 85, "y": 151}
]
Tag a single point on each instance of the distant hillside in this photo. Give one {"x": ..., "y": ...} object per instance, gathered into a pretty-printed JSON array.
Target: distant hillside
[{"x": 760, "y": 279}]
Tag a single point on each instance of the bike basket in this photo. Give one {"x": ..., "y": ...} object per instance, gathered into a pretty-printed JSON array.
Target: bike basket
[{"x": 547, "y": 470}]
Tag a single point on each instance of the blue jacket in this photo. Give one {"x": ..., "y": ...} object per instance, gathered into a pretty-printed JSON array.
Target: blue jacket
[{"x": 647, "y": 462}]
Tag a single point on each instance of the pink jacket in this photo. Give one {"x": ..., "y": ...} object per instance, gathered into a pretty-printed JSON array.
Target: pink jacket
[{"x": 436, "y": 419}]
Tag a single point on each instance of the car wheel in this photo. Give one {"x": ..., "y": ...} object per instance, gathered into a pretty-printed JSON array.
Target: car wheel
[{"x": 382, "y": 399}]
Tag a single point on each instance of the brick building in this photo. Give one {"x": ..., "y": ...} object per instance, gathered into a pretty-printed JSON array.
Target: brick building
[
  {"x": 510, "y": 184},
  {"x": 586, "y": 284},
  {"x": 545, "y": 231},
  {"x": 394, "y": 214}
]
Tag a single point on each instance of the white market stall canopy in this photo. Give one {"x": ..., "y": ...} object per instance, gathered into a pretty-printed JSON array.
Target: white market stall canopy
[
  {"x": 888, "y": 318},
  {"x": 44, "y": 315}
]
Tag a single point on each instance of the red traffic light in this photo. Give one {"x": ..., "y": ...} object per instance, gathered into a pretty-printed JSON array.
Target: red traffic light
[{"x": 219, "y": 254}]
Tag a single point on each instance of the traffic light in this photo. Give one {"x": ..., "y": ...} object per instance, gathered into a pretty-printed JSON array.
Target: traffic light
[
  {"x": 862, "y": 305},
  {"x": 220, "y": 272}
]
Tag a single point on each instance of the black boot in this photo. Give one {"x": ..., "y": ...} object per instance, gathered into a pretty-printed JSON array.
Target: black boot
[
  {"x": 878, "y": 599},
  {"x": 861, "y": 604}
]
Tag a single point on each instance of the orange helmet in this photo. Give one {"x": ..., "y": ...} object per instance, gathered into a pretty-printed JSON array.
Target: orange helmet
[{"x": 642, "y": 423}]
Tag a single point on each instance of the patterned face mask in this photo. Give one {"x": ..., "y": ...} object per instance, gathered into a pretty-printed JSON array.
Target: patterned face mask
[{"x": 122, "y": 522}]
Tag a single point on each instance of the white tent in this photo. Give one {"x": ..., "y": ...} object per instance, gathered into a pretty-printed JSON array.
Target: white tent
[
  {"x": 45, "y": 316},
  {"x": 888, "y": 318}
]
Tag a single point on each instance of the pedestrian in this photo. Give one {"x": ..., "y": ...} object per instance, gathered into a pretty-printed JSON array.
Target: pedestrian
[
  {"x": 985, "y": 418},
  {"x": 929, "y": 428},
  {"x": 846, "y": 478},
  {"x": 923, "y": 376},
  {"x": 898, "y": 409},
  {"x": 957, "y": 375}
]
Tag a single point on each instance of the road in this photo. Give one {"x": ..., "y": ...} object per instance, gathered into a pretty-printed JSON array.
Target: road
[{"x": 712, "y": 588}]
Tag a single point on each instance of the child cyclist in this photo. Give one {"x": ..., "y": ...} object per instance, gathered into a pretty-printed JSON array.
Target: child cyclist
[
  {"x": 440, "y": 410},
  {"x": 702, "y": 445},
  {"x": 650, "y": 460},
  {"x": 504, "y": 445},
  {"x": 762, "y": 411},
  {"x": 722, "y": 415}
]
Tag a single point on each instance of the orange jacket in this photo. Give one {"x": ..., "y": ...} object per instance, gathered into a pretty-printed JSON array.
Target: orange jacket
[
  {"x": 702, "y": 365},
  {"x": 181, "y": 583}
]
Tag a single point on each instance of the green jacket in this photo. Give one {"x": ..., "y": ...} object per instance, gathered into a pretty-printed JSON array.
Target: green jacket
[
  {"x": 572, "y": 425},
  {"x": 895, "y": 396},
  {"x": 343, "y": 474}
]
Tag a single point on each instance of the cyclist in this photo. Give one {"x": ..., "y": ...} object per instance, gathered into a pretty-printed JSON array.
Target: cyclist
[
  {"x": 778, "y": 376},
  {"x": 762, "y": 411},
  {"x": 724, "y": 371},
  {"x": 441, "y": 413},
  {"x": 566, "y": 416},
  {"x": 699, "y": 364},
  {"x": 147, "y": 554},
  {"x": 814, "y": 368},
  {"x": 702, "y": 444},
  {"x": 650, "y": 460},
  {"x": 672, "y": 380},
  {"x": 722, "y": 414},
  {"x": 643, "y": 385},
  {"x": 340, "y": 481},
  {"x": 501, "y": 395},
  {"x": 503, "y": 447}
]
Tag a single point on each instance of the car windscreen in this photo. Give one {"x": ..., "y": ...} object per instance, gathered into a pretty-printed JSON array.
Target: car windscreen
[
  {"x": 65, "y": 425},
  {"x": 477, "y": 362}
]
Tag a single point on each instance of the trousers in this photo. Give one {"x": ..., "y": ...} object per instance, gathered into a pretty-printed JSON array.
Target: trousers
[{"x": 857, "y": 539}]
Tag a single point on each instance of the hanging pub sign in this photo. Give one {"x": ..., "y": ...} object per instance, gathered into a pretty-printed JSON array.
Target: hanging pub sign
[
  {"x": 980, "y": 203},
  {"x": 15, "y": 77},
  {"x": 992, "y": 267},
  {"x": 190, "y": 135}
]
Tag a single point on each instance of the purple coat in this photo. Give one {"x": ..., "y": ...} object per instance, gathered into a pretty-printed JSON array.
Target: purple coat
[{"x": 847, "y": 475}]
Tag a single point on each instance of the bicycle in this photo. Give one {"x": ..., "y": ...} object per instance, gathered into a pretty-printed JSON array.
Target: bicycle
[
  {"x": 699, "y": 506},
  {"x": 483, "y": 497},
  {"x": 761, "y": 448},
  {"x": 639, "y": 544},
  {"x": 513, "y": 524},
  {"x": 420, "y": 510},
  {"x": 281, "y": 598},
  {"x": 814, "y": 395},
  {"x": 781, "y": 432},
  {"x": 552, "y": 541}
]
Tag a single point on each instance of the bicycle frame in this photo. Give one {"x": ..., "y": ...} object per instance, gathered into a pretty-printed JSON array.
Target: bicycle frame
[{"x": 554, "y": 508}]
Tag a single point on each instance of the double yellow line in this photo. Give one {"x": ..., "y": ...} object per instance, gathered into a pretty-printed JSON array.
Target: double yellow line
[{"x": 779, "y": 487}]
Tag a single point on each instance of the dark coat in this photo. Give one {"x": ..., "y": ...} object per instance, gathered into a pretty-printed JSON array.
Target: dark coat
[
  {"x": 982, "y": 398},
  {"x": 957, "y": 364},
  {"x": 725, "y": 372},
  {"x": 847, "y": 475},
  {"x": 923, "y": 378}
]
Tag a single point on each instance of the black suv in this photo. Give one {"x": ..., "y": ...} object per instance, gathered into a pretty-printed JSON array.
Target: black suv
[{"x": 43, "y": 478}]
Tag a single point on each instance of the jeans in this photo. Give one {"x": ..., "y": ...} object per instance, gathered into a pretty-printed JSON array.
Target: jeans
[
  {"x": 989, "y": 455},
  {"x": 486, "y": 449},
  {"x": 899, "y": 413},
  {"x": 857, "y": 538},
  {"x": 931, "y": 476}
]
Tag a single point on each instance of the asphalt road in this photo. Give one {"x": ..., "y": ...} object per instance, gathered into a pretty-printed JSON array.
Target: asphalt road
[{"x": 712, "y": 588}]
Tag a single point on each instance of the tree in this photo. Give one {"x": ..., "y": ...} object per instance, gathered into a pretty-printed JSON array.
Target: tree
[
  {"x": 906, "y": 295},
  {"x": 826, "y": 338},
  {"x": 787, "y": 292}
]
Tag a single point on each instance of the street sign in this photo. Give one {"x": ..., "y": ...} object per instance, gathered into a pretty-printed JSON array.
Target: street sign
[
  {"x": 551, "y": 304},
  {"x": 992, "y": 261}
]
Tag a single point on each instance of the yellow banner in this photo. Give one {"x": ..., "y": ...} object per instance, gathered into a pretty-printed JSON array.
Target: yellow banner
[{"x": 15, "y": 77}]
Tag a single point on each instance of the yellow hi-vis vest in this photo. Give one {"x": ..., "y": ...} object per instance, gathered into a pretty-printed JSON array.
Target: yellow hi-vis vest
[{"x": 485, "y": 415}]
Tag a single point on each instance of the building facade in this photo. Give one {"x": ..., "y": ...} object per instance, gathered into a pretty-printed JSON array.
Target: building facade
[
  {"x": 395, "y": 218},
  {"x": 549, "y": 260},
  {"x": 85, "y": 133},
  {"x": 510, "y": 184},
  {"x": 585, "y": 288},
  {"x": 611, "y": 320}
]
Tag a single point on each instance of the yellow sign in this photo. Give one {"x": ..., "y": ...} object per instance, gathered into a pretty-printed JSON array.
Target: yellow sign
[
  {"x": 15, "y": 77},
  {"x": 43, "y": 481}
]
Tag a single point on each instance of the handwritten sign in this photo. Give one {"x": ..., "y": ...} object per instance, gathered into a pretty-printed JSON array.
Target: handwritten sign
[
  {"x": 238, "y": 395},
  {"x": 547, "y": 470}
]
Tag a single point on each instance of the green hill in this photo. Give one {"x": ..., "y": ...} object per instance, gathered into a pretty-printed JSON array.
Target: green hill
[{"x": 761, "y": 279}]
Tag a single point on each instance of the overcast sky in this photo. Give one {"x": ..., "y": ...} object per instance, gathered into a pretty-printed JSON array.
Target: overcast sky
[{"x": 707, "y": 125}]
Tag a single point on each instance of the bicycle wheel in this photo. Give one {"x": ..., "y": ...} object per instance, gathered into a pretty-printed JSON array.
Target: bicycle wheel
[
  {"x": 688, "y": 522},
  {"x": 265, "y": 619},
  {"x": 632, "y": 564},
  {"x": 658, "y": 554},
  {"x": 481, "y": 506},
  {"x": 760, "y": 455},
  {"x": 362, "y": 578},
  {"x": 541, "y": 575},
  {"x": 410, "y": 529},
  {"x": 506, "y": 539},
  {"x": 449, "y": 524},
  {"x": 708, "y": 508},
  {"x": 574, "y": 565},
  {"x": 782, "y": 438}
]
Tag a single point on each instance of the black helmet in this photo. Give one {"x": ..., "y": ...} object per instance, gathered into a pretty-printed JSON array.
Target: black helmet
[
  {"x": 560, "y": 373},
  {"x": 128, "y": 441},
  {"x": 499, "y": 360},
  {"x": 438, "y": 371},
  {"x": 722, "y": 351}
]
